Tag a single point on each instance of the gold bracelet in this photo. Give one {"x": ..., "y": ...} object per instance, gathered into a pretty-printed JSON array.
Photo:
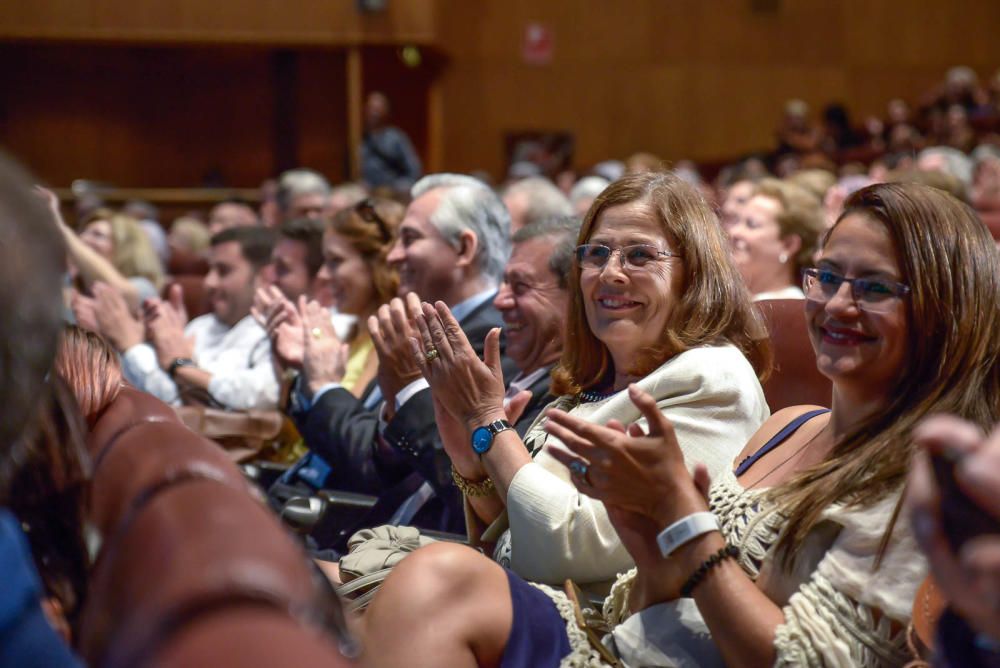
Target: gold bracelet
[{"x": 471, "y": 488}]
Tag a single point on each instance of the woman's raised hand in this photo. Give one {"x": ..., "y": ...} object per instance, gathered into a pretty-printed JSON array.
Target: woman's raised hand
[
  {"x": 324, "y": 355},
  {"x": 455, "y": 435},
  {"x": 471, "y": 389},
  {"x": 629, "y": 470}
]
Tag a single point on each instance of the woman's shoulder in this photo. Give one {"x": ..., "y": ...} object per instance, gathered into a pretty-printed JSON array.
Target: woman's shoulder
[
  {"x": 773, "y": 425},
  {"x": 719, "y": 359},
  {"x": 714, "y": 370}
]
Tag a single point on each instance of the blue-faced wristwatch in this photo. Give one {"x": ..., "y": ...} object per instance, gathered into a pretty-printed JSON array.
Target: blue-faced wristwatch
[{"x": 482, "y": 437}]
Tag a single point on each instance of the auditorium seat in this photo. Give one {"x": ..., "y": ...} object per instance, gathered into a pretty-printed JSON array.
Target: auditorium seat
[
  {"x": 794, "y": 379},
  {"x": 186, "y": 264},
  {"x": 193, "y": 569},
  {"x": 128, "y": 467}
]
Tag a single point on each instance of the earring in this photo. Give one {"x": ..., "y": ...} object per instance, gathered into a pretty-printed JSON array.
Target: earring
[{"x": 783, "y": 258}]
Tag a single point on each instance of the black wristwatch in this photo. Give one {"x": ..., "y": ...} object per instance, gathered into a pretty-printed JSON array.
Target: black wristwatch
[
  {"x": 178, "y": 363},
  {"x": 482, "y": 437}
]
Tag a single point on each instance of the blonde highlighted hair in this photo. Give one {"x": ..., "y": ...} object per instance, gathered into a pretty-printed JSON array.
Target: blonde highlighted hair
[{"x": 133, "y": 254}]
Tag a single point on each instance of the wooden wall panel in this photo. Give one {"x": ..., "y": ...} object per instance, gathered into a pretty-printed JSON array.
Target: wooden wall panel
[
  {"x": 159, "y": 117},
  {"x": 322, "y": 112},
  {"x": 681, "y": 78},
  {"x": 689, "y": 78},
  {"x": 305, "y": 22},
  {"x": 137, "y": 116}
]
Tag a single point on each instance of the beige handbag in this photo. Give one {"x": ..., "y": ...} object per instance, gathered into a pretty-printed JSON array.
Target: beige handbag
[
  {"x": 245, "y": 435},
  {"x": 371, "y": 556}
]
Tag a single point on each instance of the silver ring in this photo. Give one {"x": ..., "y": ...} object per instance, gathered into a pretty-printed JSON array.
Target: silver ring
[
  {"x": 580, "y": 468},
  {"x": 432, "y": 355}
]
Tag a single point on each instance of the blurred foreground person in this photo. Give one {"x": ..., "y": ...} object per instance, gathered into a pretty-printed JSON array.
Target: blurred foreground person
[
  {"x": 32, "y": 264},
  {"x": 957, "y": 520}
]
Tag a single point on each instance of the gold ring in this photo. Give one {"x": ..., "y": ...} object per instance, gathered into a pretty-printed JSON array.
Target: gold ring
[
  {"x": 316, "y": 332},
  {"x": 432, "y": 355}
]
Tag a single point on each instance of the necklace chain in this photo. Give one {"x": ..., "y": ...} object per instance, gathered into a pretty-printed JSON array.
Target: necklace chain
[{"x": 591, "y": 395}]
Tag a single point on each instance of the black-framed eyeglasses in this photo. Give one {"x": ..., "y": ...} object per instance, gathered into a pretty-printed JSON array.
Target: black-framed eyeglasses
[
  {"x": 870, "y": 294},
  {"x": 635, "y": 256},
  {"x": 366, "y": 209}
]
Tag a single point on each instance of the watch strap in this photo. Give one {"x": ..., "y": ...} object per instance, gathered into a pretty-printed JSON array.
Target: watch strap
[
  {"x": 498, "y": 426},
  {"x": 177, "y": 364},
  {"x": 482, "y": 443}
]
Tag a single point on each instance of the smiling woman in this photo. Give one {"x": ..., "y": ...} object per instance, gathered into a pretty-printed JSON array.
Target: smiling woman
[
  {"x": 773, "y": 236},
  {"x": 661, "y": 305},
  {"x": 355, "y": 245}
]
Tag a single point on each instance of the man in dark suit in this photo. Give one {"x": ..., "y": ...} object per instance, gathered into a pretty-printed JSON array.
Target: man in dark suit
[
  {"x": 451, "y": 246},
  {"x": 532, "y": 301}
]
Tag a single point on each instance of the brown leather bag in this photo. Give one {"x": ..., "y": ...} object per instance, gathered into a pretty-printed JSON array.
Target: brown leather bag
[{"x": 245, "y": 435}]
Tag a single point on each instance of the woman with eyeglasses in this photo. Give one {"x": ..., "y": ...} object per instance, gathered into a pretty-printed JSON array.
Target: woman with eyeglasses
[
  {"x": 654, "y": 300},
  {"x": 795, "y": 555}
]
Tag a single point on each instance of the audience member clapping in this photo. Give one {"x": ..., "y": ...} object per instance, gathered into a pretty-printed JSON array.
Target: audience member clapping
[
  {"x": 221, "y": 358},
  {"x": 110, "y": 248},
  {"x": 654, "y": 300},
  {"x": 451, "y": 246},
  {"x": 802, "y": 560},
  {"x": 353, "y": 269}
]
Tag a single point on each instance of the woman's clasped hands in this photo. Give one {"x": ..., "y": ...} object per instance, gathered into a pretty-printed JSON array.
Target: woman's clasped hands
[{"x": 640, "y": 477}]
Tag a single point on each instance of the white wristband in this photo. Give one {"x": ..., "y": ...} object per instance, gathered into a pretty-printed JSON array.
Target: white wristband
[{"x": 685, "y": 530}]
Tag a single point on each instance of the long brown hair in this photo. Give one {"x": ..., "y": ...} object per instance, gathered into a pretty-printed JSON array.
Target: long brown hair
[
  {"x": 948, "y": 258},
  {"x": 370, "y": 227},
  {"x": 133, "y": 253},
  {"x": 714, "y": 307}
]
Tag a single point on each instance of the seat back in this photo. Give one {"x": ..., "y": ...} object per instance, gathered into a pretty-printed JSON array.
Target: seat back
[
  {"x": 794, "y": 380},
  {"x": 187, "y": 551}
]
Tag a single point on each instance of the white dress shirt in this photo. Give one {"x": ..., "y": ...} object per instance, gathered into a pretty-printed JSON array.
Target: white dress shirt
[{"x": 238, "y": 357}]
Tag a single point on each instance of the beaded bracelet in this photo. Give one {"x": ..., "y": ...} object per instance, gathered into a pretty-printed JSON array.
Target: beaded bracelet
[
  {"x": 728, "y": 552},
  {"x": 471, "y": 488}
]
